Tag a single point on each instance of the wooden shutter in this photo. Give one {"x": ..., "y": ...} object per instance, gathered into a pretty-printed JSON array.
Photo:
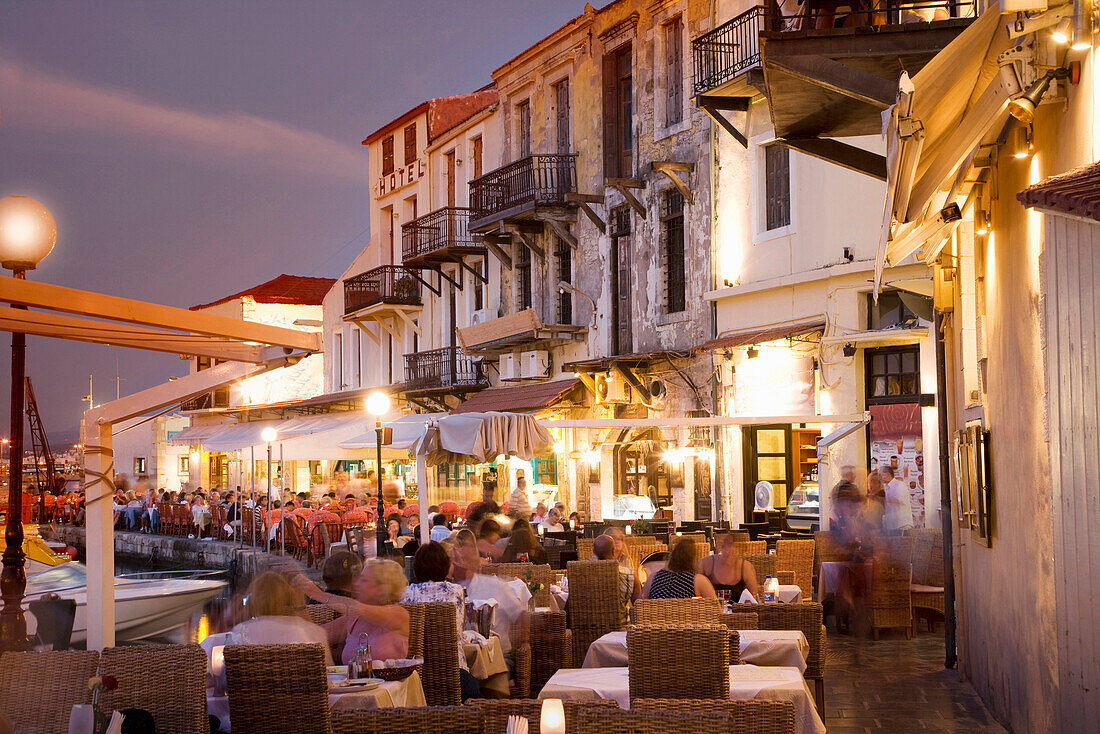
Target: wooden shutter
[
  {"x": 410, "y": 143},
  {"x": 387, "y": 155},
  {"x": 524, "y": 128},
  {"x": 611, "y": 134},
  {"x": 451, "y": 178},
  {"x": 625, "y": 307},
  {"x": 625, "y": 104},
  {"x": 478, "y": 148},
  {"x": 561, "y": 90},
  {"x": 674, "y": 67}
]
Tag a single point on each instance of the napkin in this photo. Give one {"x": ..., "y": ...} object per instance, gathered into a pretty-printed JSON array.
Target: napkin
[
  {"x": 517, "y": 725},
  {"x": 114, "y": 726},
  {"x": 746, "y": 598},
  {"x": 475, "y": 638}
]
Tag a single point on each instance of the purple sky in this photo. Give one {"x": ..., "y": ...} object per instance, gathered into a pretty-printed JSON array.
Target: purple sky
[{"x": 192, "y": 149}]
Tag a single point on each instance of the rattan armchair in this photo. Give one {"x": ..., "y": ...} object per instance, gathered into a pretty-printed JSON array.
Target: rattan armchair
[
  {"x": 892, "y": 576},
  {"x": 39, "y": 689},
  {"x": 495, "y": 713},
  {"x": 763, "y": 564},
  {"x": 593, "y": 602},
  {"x": 652, "y": 722},
  {"x": 434, "y": 719},
  {"x": 684, "y": 661},
  {"x": 551, "y": 647},
  {"x": 277, "y": 689},
  {"x": 639, "y": 551},
  {"x": 440, "y": 672},
  {"x": 746, "y": 717},
  {"x": 584, "y": 548},
  {"x": 320, "y": 614},
  {"x": 926, "y": 590},
  {"x": 677, "y": 611},
  {"x": 539, "y": 572},
  {"x": 741, "y": 620},
  {"x": 797, "y": 556},
  {"x": 168, "y": 681},
  {"x": 751, "y": 547}
]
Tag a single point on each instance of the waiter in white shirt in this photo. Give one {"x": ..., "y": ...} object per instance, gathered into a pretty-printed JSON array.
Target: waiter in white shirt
[{"x": 899, "y": 510}]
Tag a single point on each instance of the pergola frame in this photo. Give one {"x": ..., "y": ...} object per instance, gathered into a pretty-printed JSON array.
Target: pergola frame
[{"x": 246, "y": 348}]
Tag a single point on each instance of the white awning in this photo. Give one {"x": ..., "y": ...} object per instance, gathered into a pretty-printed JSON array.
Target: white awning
[
  {"x": 879, "y": 337},
  {"x": 407, "y": 430},
  {"x": 195, "y": 435},
  {"x": 324, "y": 422},
  {"x": 474, "y": 438}
]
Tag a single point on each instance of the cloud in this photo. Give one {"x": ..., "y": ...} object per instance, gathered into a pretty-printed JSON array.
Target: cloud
[{"x": 37, "y": 99}]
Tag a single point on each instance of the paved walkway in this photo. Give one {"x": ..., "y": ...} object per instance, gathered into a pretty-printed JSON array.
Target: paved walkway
[{"x": 898, "y": 685}]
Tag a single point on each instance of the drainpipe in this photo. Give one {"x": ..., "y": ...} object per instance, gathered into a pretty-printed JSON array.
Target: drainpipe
[
  {"x": 718, "y": 497},
  {"x": 946, "y": 513}
]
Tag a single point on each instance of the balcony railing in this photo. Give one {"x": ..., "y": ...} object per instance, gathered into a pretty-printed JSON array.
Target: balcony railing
[
  {"x": 393, "y": 284},
  {"x": 442, "y": 368},
  {"x": 728, "y": 51},
  {"x": 217, "y": 399},
  {"x": 437, "y": 233},
  {"x": 537, "y": 180}
]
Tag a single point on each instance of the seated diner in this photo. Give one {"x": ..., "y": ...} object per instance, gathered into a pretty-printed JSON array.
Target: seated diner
[{"x": 679, "y": 580}]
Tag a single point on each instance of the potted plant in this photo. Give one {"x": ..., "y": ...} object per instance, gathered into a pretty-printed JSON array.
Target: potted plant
[{"x": 404, "y": 287}]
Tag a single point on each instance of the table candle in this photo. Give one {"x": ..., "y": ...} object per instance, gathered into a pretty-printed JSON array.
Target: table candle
[
  {"x": 628, "y": 530},
  {"x": 542, "y": 530},
  {"x": 572, "y": 524},
  {"x": 553, "y": 717}
]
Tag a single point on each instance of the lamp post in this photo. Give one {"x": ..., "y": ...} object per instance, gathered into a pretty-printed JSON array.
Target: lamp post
[
  {"x": 268, "y": 435},
  {"x": 378, "y": 404},
  {"x": 27, "y": 234}
]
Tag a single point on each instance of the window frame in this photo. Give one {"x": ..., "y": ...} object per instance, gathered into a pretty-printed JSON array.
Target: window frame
[
  {"x": 761, "y": 233},
  {"x": 563, "y": 270},
  {"x": 184, "y": 464},
  {"x": 871, "y": 373},
  {"x": 673, "y": 28},
  {"x": 524, "y": 279},
  {"x": 563, "y": 144},
  {"x": 408, "y": 138},
  {"x": 524, "y": 135},
  {"x": 141, "y": 464},
  {"x": 387, "y": 155},
  {"x": 672, "y": 208}
]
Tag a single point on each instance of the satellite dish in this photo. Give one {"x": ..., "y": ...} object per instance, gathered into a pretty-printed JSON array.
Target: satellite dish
[{"x": 764, "y": 496}]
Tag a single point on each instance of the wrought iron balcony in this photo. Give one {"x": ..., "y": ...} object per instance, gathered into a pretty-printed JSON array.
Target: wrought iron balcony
[
  {"x": 217, "y": 399},
  {"x": 439, "y": 236},
  {"x": 446, "y": 368},
  {"x": 519, "y": 187},
  {"x": 389, "y": 284},
  {"x": 728, "y": 51}
]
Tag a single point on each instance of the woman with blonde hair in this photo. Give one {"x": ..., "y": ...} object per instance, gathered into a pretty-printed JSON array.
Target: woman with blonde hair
[
  {"x": 374, "y": 611},
  {"x": 275, "y": 616},
  {"x": 728, "y": 571}
]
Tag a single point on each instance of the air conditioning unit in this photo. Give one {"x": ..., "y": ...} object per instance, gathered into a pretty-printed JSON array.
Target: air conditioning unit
[
  {"x": 535, "y": 363},
  {"x": 658, "y": 391},
  {"x": 482, "y": 315},
  {"x": 509, "y": 367},
  {"x": 609, "y": 389}
]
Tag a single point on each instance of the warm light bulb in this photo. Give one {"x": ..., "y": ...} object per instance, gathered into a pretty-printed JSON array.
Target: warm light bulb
[
  {"x": 1062, "y": 31},
  {"x": 552, "y": 720},
  {"x": 27, "y": 232},
  {"x": 378, "y": 404},
  {"x": 269, "y": 434}
]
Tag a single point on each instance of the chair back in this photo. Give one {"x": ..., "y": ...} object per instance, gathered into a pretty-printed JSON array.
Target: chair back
[
  {"x": 277, "y": 689},
  {"x": 168, "y": 681},
  {"x": 551, "y": 646},
  {"x": 804, "y": 616},
  {"x": 891, "y": 604},
  {"x": 495, "y": 712},
  {"x": 584, "y": 548},
  {"x": 827, "y": 549},
  {"x": 593, "y": 602},
  {"x": 434, "y": 719},
  {"x": 682, "y": 661},
  {"x": 751, "y": 547},
  {"x": 320, "y": 614},
  {"x": 797, "y": 556},
  {"x": 746, "y": 717},
  {"x": 440, "y": 652},
  {"x": 538, "y": 572},
  {"x": 654, "y": 722},
  {"x": 218, "y": 521},
  {"x": 928, "y": 557},
  {"x": 639, "y": 551},
  {"x": 39, "y": 689},
  {"x": 416, "y": 629},
  {"x": 164, "y": 509},
  {"x": 741, "y": 621},
  {"x": 677, "y": 611},
  {"x": 764, "y": 564}
]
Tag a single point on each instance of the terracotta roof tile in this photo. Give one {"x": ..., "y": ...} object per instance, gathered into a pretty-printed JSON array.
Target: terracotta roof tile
[
  {"x": 518, "y": 398},
  {"x": 1076, "y": 192},
  {"x": 295, "y": 289},
  {"x": 446, "y": 113},
  {"x": 759, "y": 336}
]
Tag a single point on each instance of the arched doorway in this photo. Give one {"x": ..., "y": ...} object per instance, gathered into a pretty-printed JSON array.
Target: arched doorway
[{"x": 640, "y": 467}]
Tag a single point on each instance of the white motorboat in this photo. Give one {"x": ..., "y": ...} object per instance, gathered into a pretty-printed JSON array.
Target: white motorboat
[{"x": 144, "y": 607}]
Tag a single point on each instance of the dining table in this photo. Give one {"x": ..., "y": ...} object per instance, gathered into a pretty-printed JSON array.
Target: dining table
[
  {"x": 769, "y": 648},
  {"x": 747, "y": 683},
  {"x": 834, "y": 575},
  {"x": 485, "y": 661}
]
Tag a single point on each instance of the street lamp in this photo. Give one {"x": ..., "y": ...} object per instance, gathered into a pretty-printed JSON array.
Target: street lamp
[
  {"x": 268, "y": 435},
  {"x": 27, "y": 234},
  {"x": 378, "y": 404}
]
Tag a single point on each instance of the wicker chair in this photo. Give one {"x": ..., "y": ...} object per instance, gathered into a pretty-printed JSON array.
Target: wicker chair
[
  {"x": 416, "y": 629},
  {"x": 320, "y": 614},
  {"x": 593, "y": 602},
  {"x": 807, "y": 617},
  {"x": 539, "y": 572},
  {"x": 440, "y": 641},
  {"x": 435, "y": 719},
  {"x": 177, "y": 701},
  {"x": 741, "y": 620},
  {"x": 797, "y": 556},
  {"x": 677, "y": 611},
  {"x": 746, "y": 717},
  {"x": 584, "y": 548},
  {"x": 685, "y": 661},
  {"x": 58, "y": 680},
  {"x": 295, "y": 538},
  {"x": 277, "y": 688},
  {"x": 652, "y": 722},
  {"x": 891, "y": 578},
  {"x": 751, "y": 547},
  {"x": 764, "y": 564},
  {"x": 551, "y": 646},
  {"x": 495, "y": 713},
  {"x": 638, "y": 552},
  {"x": 218, "y": 521},
  {"x": 926, "y": 591}
]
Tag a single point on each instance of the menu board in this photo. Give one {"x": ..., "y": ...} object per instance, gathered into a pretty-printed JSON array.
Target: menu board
[{"x": 897, "y": 441}]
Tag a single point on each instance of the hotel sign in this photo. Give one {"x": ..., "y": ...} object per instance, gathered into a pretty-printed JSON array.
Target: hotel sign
[{"x": 401, "y": 177}]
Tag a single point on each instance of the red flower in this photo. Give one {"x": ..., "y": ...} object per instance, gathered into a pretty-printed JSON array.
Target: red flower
[{"x": 110, "y": 682}]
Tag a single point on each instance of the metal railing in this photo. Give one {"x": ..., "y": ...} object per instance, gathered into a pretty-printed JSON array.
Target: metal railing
[
  {"x": 437, "y": 231},
  {"x": 446, "y": 367},
  {"x": 733, "y": 48},
  {"x": 386, "y": 284},
  {"x": 217, "y": 399},
  {"x": 542, "y": 179}
]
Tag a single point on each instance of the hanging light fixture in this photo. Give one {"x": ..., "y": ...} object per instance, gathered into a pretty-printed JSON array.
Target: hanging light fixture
[
  {"x": 752, "y": 353},
  {"x": 1082, "y": 26},
  {"x": 1023, "y": 107}
]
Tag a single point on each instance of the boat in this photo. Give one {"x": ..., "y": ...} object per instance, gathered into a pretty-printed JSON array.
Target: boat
[
  {"x": 41, "y": 554},
  {"x": 148, "y": 604}
]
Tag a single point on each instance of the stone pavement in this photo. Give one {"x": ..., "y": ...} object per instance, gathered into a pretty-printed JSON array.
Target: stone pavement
[{"x": 898, "y": 685}]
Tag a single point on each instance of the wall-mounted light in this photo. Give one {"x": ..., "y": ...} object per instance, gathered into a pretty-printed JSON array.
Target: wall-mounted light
[
  {"x": 849, "y": 350},
  {"x": 1019, "y": 138},
  {"x": 1023, "y": 106},
  {"x": 1082, "y": 26},
  {"x": 981, "y": 223},
  {"x": 752, "y": 353},
  {"x": 1062, "y": 32}
]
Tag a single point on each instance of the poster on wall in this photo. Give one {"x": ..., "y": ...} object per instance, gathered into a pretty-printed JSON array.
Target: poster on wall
[
  {"x": 774, "y": 383},
  {"x": 897, "y": 441}
]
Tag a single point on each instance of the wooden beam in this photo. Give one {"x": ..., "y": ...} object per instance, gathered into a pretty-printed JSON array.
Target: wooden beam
[
  {"x": 410, "y": 323},
  {"x": 840, "y": 78},
  {"x": 528, "y": 240},
  {"x": 587, "y": 380},
  {"x": 425, "y": 282},
  {"x": 725, "y": 124},
  {"x": 369, "y": 332},
  {"x": 390, "y": 329},
  {"x": 583, "y": 201},
  {"x": 84, "y": 303},
  {"x": 842, "y": 154},
  {"x": 672, "y": 169},
  {"x": 734, "y": 104},
  {"x": 476, "y": 273},
  {"x": 443, "y": 276},
  {"x": 563, "y": 231},
  {"x": 586, "y": 198},
  {"x": 623, "y": 186},
  {"x": 492, "y": 246}
]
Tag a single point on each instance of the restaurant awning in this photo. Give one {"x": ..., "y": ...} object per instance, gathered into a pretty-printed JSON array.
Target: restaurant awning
[
  {"x": 743, "y": 338},
  {"x": 519, "y": 398},
  {"x": 407, "y": 430},
  {"x": 941, "y": 116},
  {"x": 240, "y": 436},
  {"x": 523, "y": 329},
  {"x": 195, "y": 435},
  {"x": 474, "y": 438}
]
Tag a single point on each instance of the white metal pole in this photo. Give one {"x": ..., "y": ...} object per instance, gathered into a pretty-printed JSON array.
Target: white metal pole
[
  {"x": 252, "y": 493},
  {"x": 99, "y": 522},
  {"x": 270, "y": 498},
  {"x": 422, "y": 498},
  {"x": 282, "y": 491}
]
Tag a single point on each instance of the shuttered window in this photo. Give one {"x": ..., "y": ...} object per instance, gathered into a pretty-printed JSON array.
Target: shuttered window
[
  {"x": 777, "y": 186},
  {"x": 621, "y": 331},
  {"x": 672, "y": 251},
  {"x": 674, "y": 71},
  {"x": 387, "y": 155},
  {"x": 523, "y": 278},
  {"x": 562, "y": 114},
  {"x": 450, "y": 159},
  {"x": 618, "y": 115},
  {"x": 410, "y": 143},
  {"x": 563, "y": 257},
  {"x": 523, "y": 112},
  {"x": 478, "y": 146}
]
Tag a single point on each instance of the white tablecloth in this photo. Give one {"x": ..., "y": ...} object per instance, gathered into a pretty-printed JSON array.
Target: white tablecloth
[
  {"x": 487, "y": 664},
  {"x": 747, "y": 682},
  {"x": 781, "y": 648},
  {"x": 788, "y": 594},
  {"x": 408, "y": 692},
  {"x": 833, "y": 573}
]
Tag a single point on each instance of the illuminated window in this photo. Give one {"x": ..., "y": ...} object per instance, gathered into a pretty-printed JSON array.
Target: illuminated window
[
  {"x": 184, "y": 464},
  {"x": 139, "y": 465}
]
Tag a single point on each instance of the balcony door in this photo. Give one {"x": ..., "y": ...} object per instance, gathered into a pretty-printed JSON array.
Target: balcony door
[
  {"x": 450, "y": 157},
  {"x": 618, "y": 112},
  {"x": 621, "y": 332}
]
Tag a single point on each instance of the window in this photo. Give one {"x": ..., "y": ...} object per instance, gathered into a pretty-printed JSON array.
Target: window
[
  {"x": 389, "y": 359},
  {"x": 546, "y": 470},
  {"x": 410, "y": 143},
  {"x": 388, "y": 233},
  {"x": 523, "y": 278},
  {"x": 479, "y": 286},
  {"x": 621, "y": 332},
  {"x": 563, "y": 256},
  {"x": 562, "y": 116},
  {"x": 672, "y": 251},
  {"x": 523, "y": 113},
  {"x": 618, "y": 137},
  {"x": 139, "y": 465},
  {"x": 777, "y": 186},
  {"x": 338, "y": 361},
  {"x": 478, "y": 151},
  {"x": 450, "y": 164},
  {"x": 893, "y": 375},
  {"x": 674, "y": 71},
  {"x": 387, "y": 155},
  {"x": 356, "y": 357},
  {"x": 184, "y": 464},
  {"x": 889, "y": 311}
]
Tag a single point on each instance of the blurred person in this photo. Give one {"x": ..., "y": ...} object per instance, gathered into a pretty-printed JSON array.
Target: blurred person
[
  {"x": 876, "y": 500},
  {"x": 523, "y": 545},
  {"x": 679, "y": 580},
  {"x": 552, "y": 523},
  {"x": 338, "y": 574},
  {"x": 899, "y": 508},
  {"x": 728, "y": 571},
  {"x": 540, "y": 514},
  {"x": 629, "y": 589},
  {"x": 274, "y": 608},
  {"x": 465, "y": 559},
  {"x": 488, "y": 534},
  {"x": 518, "y": 503}
]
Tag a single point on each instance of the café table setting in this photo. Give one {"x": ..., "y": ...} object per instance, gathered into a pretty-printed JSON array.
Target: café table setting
[{"x": 771, "y": 648}]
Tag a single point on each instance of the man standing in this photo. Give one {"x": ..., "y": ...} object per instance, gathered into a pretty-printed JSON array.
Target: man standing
[{"x": 899, "y": 510}]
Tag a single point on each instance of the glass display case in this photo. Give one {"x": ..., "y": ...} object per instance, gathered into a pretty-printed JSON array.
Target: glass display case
[
  {"x": 804, "y": 507},
  {"x": 633, "y": 507}
]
